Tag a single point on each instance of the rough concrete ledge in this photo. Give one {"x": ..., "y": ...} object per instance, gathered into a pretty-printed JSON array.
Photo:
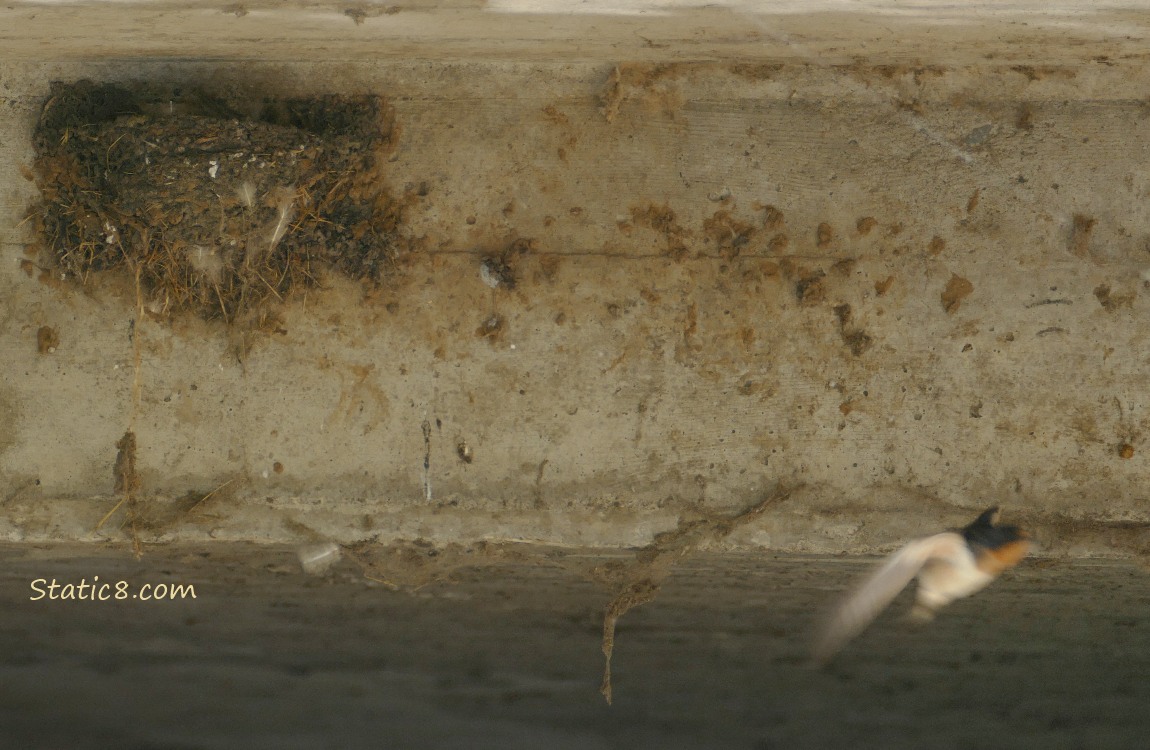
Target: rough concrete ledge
[
  {"x": 1030, "y": 32},
  {"x": 906, "y": 276}
]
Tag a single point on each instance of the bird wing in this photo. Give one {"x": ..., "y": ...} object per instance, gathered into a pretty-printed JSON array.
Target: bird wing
[{"x": 880, "y": 588}]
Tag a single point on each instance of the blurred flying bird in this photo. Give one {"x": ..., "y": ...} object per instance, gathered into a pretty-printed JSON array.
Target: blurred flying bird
[{"x": 949, "y": 566}]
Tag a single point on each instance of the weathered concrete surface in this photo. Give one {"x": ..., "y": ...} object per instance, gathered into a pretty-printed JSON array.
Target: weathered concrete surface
[
  {"x": 508, "y": 657},
  {"x": 942, "y": 311},
  {"x": 953, "y": 320}
]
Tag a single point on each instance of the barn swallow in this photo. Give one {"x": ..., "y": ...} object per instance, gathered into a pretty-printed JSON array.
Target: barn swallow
[{"x": 949, "y": 566}]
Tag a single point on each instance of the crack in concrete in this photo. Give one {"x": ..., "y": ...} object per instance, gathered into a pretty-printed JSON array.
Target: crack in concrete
[
  {"x": 426, "y": 459},
  {"x": 638, "y": 581}
]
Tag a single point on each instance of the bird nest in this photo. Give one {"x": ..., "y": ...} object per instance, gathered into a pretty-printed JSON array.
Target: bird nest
[{"x": 211, "y": 211}]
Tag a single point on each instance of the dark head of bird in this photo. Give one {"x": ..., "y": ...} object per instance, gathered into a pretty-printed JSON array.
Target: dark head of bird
[{"x": 984, "y": 533}]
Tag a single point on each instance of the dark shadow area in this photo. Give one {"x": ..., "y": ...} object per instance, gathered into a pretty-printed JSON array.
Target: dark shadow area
[{"x": 507, "y": 655}]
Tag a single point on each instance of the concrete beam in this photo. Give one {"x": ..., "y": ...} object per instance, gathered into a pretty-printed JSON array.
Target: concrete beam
[{"x": 941, "y": 311}]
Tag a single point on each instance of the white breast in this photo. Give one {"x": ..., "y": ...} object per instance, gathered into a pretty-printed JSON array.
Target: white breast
[{"x": 947, "y": 577}]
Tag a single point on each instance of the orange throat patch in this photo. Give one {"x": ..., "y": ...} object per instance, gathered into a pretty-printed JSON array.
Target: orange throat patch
[{"x": 996, "y": 560}]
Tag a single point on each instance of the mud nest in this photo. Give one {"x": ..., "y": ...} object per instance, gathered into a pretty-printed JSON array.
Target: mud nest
[{"x": 211, "y": 211}]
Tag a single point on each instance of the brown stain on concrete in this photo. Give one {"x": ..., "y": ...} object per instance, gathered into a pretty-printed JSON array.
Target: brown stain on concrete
[
  {"x": 957, "y": 289},
  {"x": 1082, "y": 228}
]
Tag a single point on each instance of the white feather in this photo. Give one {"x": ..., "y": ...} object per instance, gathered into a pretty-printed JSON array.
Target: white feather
[
  {"x": 285, "y": 216},
  {"x": 247, "y": 194}
]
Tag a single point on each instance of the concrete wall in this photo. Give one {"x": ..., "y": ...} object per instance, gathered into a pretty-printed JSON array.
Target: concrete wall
[{"x": 955, "y": 317}]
